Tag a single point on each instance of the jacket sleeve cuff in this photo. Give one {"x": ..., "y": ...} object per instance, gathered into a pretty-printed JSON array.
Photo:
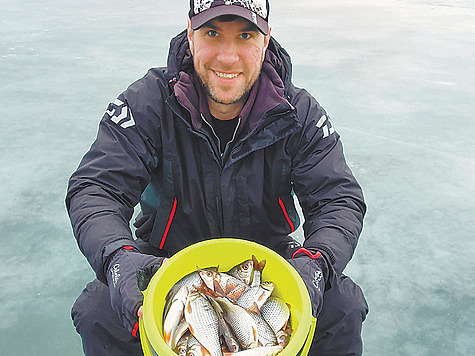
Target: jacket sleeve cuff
[{"x": 109, "y": 250}]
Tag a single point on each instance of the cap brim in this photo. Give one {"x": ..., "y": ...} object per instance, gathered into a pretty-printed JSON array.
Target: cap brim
[{"x": 200, "y": 19}]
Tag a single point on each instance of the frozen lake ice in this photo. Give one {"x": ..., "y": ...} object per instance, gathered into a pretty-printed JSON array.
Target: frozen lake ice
[{"x": 398, "y": 80}]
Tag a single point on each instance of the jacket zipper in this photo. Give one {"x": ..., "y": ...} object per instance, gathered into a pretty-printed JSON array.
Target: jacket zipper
[
  {"x": 214, "y": 133},
  {"x": 224, "y": 154}
]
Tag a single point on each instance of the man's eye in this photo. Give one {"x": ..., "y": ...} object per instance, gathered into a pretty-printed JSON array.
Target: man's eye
[
  {"x": 212, "y": 33},
  {"x": 245, "y": 35}
]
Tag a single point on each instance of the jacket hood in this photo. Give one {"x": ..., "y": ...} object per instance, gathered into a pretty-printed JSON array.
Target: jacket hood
[{"x": 179, "y": 59}]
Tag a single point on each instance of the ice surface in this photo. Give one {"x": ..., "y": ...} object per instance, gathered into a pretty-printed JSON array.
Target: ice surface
[{"x": 397, "y": 79}]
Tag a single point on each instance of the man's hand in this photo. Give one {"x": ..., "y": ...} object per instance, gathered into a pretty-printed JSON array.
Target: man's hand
[
  {"x": 313, "y": 269},
  {"x": 126, "y": 297},
  {"x": 140, "y": 311}
]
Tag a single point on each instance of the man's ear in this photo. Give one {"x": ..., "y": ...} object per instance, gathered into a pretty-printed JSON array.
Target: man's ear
[
  {"x": 267, "y": 39},
  {"x": 189, "y": 36}
]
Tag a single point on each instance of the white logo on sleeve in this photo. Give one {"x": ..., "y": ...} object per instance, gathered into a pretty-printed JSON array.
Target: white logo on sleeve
[
  {"x": 118, "y": 112},
  {"x": 115, "y": 274},
  {"x": 317, "y": 277},
  {"x": 325, "y": 124}
]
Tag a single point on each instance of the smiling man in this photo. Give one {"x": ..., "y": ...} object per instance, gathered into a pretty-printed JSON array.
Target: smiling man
[
  {"x": 213, "y": 145},
  {"x": 228, "y": 53}
]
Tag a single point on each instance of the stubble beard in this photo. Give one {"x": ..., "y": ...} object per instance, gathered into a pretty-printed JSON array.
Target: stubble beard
[{"x": 213, "y": 95}]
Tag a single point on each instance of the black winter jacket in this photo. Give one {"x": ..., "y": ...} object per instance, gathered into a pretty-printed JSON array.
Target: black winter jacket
[{"x": 156, "y": 149}]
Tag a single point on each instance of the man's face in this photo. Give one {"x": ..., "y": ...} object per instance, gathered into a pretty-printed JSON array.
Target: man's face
[{"x": 227, "y": 57}]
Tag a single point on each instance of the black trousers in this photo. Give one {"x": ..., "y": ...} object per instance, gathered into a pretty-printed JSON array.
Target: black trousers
[{"x": 338, "y": 329}]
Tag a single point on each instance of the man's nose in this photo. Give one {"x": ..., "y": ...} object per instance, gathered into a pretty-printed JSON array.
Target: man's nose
[{"x": 228, "y": 53}]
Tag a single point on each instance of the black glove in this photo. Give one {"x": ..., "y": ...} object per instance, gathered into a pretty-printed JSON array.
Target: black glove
[
  {"x": 123, "y": 269},
  {"x": 313, "y": 269}
]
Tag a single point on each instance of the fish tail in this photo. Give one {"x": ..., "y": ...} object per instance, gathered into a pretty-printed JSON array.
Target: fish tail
[{"x": 258, "y": 266}]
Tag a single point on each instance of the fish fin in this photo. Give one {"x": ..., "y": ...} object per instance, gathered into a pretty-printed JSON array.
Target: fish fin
[
  {"x": 261, "y": 266},
  {"x": 255, "y": 309},
  {"x": 167, "y": 336},
  {"x": 191, "y": 330},
  {"x": 218, "y": 289},
  {"x": 205, "y": 290},
  {"x": 204, "y": 351},
  {"x": 258, "y": 266},
  {"x": 255, "y": 337},
  {"x": 177, "y": 336},
  {"x": 288, "y": 329},
  {"x": 188, "y": 308}
]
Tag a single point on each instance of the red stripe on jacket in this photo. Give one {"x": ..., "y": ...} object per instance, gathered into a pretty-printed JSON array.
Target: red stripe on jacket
[
  {"x": 170, "y": 219},
  {"x": 281, "y": 203}
]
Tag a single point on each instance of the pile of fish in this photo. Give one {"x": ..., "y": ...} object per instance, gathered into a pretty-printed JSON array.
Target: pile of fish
[{"x": 217, "y": 313}]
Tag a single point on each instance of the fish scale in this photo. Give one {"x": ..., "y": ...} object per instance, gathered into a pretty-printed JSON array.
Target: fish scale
[
  {"x": 203, "y": 322},
  {"x": 224, "y": 329},
  {"x": 255, "y": 295},
  {"x": 241, "y": 323},
  {"x": 276, "y": 313},
  {"x": 266, "y": 336}
]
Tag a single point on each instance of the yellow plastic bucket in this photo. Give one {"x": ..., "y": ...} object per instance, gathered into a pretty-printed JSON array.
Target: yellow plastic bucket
[{"x": 227, "y": 252}]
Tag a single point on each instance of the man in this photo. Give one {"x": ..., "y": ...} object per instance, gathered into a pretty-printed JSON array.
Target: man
[{"x": 215, "y": 145}]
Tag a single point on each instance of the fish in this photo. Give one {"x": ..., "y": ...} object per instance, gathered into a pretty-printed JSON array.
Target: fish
[
  {"x": 194, "y": 348},
  {"x": 257, "y": 294},
  {"x": 178, "y": 333},
  {"x": 228, "y": 336},
  {"x": 258, "y": 351},
  {"x": 229, "y": 286},
  {"x": 174, "y": 314},
  {"x": 224, "y": 329},
  {"x": 257, "y": 273},
  {"x": 243, "y": 271},
  {"x": 182, "y": 345},
  {"x": 244, "y": 327},
  {"x": 194, "y": 279},
  {"x": 283, "y": 336},
  {"x": 276, "y": 313},
  {"x": 203, "y": 322},
  {"x": 265, "y": 335}
]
